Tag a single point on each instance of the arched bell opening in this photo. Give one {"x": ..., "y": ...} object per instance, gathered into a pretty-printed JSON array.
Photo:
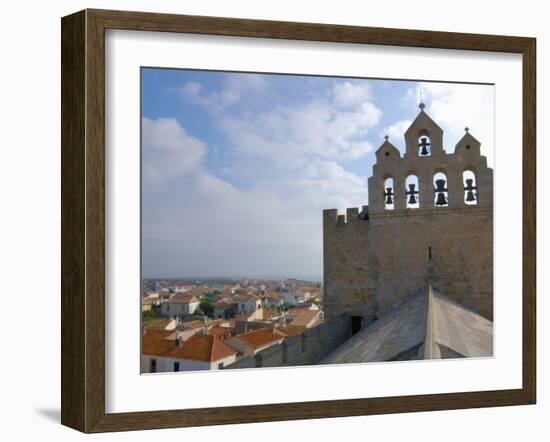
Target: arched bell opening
[
  {"x": 389, "y": 196},
  {"x": 412, "y": 191},
  {"x": 441, "y": 190},
  {"x": 470, "y": 188}
]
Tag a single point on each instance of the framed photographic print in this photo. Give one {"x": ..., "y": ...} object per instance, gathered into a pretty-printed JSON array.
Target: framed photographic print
[{"x": 269, "y": 220}]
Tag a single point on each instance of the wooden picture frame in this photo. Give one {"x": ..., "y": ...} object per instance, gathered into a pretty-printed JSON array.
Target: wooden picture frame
[{"x": 83, "y": 219}]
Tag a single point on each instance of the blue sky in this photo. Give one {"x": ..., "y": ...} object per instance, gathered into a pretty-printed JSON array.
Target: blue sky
[{"x": 237, "y": 167}]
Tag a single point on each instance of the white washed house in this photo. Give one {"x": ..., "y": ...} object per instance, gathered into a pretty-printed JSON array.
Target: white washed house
[
  {"x": 199, "y": 352},
  {"x": 182, "y": 304}
]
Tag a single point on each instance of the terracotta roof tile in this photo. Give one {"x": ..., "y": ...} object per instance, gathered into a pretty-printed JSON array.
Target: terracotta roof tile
[
  {"x": 157, "y": 342},
  {"x": 194, "y": 324},
  {"x": 259, "y": 338},
  {"x": 202, "y": 348},
  {"x": 220, "y": 331},
  {"x": 292, "y": 330},
  {"x": 183, "y": 298},
  {"x": 304, "y": 317}
]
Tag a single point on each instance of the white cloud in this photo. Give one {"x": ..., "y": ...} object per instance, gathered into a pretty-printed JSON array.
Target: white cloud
[
  {"x": 291, "y": 135},
  {"x": 234, "y": 89},
  {"x": 168, "y": 150},
  {"x": 455, "y": 106},
  {"x": 191, "y": 89},
  {"x": 396, "y": 133},
  {"x": 209, "y": 227},
  {"x": 291, "y": 161},
  {"x": 203, "y": 225},
  {"x": 349, "y": 95}
]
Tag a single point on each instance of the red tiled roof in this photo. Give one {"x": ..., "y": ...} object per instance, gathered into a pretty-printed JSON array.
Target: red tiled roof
[
  {"x": 220, "y": 331},
  {"x": 183, "y": 298},
  {"x": 194, "y": 324},
  {"x": 304, "y": 317},
  {"x": 291, "y": 330},
  {"x": 259, "y": 338},
  {"x": 202, "y": 348},
  {"x": 157, "y": 342}
]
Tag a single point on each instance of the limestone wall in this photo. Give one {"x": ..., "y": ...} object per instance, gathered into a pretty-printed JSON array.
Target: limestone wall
[{"x": 371, "y": 266}]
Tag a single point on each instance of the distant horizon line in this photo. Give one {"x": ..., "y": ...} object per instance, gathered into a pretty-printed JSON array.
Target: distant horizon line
[{"x": 271, "y": 278}]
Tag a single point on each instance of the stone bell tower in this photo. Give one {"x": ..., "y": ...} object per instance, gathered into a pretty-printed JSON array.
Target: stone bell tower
[{"x": 429, "y": 221}]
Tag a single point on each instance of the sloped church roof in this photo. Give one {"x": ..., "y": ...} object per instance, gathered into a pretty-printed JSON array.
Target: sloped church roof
[{"x": 427, "y": 326}]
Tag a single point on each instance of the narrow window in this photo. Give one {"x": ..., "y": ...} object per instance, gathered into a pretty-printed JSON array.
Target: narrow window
[
  {"x": 412, "y": 190},
  {"x": 470, "y": 188},
  {"x": 441, "y": 190},
  {"x": 430, "y": 252},
  {"x": 153, "y": 366},
  {"x": 176, "y": 366},
  {"x": 424, "y": 146},
  {"x": 388, "y": 194}
]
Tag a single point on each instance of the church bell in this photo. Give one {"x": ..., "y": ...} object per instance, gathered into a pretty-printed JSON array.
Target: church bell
[
  {"x": 440, "y": 189},
  {"x": 412, "y": 196},
  {"x": 389, "y": 199},
  {"x": 441, "y": 200},
  {"x": 470, "y": 196},
  {"x": 440, "y": 185},
  {"x": 424, "y": 145}
]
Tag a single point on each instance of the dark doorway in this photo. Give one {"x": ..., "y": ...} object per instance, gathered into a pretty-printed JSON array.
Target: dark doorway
[{"x": 356, "y": 324}]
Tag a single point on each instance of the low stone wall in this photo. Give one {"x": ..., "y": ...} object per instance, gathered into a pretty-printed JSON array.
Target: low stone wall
[{"x": 307, "y": 348}]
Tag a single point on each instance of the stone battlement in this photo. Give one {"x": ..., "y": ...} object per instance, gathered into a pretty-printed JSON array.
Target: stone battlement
[
  {"x": 352, "y": 214},
  {"x": 332, "y": 217}
]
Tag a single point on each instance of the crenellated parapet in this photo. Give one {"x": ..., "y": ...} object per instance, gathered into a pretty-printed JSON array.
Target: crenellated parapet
[{"x": 332, "y": 217}]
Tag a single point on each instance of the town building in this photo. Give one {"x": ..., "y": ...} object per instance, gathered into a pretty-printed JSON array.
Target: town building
[
  {"x": 162, "y": 351},
  {"x": 181, "y": 305},
  {"x": 160, "y": 324},
  {"x": 305, "y": 317},
  {"x": 250, "y": 343}
]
